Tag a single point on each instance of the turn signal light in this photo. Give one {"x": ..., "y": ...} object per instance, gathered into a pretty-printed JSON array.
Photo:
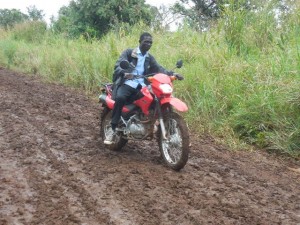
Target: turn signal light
[
  {"x": 173, "y": 78},
  {"x": 150, "y": 79}
]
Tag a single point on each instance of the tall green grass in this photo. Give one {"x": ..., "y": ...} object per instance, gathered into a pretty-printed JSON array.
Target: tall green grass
[{"x": 242, "y": 77}]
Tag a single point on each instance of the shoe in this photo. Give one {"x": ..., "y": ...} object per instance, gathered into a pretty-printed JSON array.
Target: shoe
[{"x": 110, "y": 137}]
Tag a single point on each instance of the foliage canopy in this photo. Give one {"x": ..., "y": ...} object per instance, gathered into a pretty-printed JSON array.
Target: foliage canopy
[
  {"x": 11, "y": 17},
  {"x": 94, "y": 18}
]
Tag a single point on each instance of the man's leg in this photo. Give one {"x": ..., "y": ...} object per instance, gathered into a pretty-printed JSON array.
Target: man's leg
[{"x": 124, "y": 92}]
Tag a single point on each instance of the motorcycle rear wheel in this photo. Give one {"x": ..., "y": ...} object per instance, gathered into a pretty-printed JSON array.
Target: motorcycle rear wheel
[
  {"x": 175, "y": 149},
  {"x": 105, "y": 127}
]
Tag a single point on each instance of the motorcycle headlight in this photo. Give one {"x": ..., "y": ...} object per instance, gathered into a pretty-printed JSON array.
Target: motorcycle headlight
[{"x": 166, "y": 88}]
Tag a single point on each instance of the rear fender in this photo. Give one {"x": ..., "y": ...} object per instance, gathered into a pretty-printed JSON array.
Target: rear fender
[{"x": 104, "y": 98}]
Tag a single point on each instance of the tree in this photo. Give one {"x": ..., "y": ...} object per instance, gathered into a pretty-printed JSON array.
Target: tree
[
  {"x": 199, "y": 14},
  {"x": 96, "y": 17},
  {"x": 35, "y": 14},
  {"x": 10, "y": 17},
  {"x": 163, "y": 17}
]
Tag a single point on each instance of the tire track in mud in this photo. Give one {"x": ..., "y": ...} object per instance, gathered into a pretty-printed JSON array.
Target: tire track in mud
[
  {"x": 14, "y": 190},
  {"x": 49, "y": 178},
  {"x": 51, "y": 170},
  {"x": 51, "y": 153}
]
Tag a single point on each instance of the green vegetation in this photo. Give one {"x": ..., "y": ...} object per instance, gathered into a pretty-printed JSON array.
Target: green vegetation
[
  {"x": 11, "y": 17},
  {"x": 242, "y": 76},
  {"x": 94, "y": 18}
]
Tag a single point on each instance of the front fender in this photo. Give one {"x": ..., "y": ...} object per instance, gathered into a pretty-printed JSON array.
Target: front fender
[{"x": 177, "y": 103}]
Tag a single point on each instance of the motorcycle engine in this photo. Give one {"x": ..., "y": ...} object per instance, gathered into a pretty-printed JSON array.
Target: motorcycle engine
[{"x": 137, "y": 130}]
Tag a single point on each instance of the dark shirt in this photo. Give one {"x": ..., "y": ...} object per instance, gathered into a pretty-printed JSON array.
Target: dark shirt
[{"x": 150, "y": 66}]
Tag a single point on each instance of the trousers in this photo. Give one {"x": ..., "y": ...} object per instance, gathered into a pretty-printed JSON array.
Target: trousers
[{"x": 123, "y": 96}]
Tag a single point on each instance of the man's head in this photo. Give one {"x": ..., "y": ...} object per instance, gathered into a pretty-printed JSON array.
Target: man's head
[{"x": 145, "y": 42}]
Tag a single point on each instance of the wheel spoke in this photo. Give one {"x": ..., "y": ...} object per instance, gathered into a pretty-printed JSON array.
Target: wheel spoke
[{"x": 172, "y": 147}]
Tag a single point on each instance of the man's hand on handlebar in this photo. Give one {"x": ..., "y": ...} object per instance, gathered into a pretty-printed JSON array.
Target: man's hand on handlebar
[
  {"x": 128, "y": 76},
  {"x": 178, "y": 76}
]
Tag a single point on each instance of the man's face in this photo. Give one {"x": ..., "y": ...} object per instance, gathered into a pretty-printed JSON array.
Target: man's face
[{"x": 146, "y": 44}]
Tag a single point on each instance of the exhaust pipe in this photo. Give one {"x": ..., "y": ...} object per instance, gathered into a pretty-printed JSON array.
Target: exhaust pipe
[
  {"x": 105, "y": 100},
  {"x": 102, "y": 98}
]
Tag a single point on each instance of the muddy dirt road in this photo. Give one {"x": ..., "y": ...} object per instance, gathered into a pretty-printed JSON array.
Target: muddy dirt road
[{"x": 55, "y": 170}]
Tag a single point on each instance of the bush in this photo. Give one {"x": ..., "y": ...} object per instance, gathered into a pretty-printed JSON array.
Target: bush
[
  {"x": 33, "y": 31},
  {"x": 8, "y": 51}
]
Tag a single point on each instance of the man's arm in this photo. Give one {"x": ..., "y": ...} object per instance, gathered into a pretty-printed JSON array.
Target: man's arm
[
  {"x": 118, "y": 71},
  {"x": 155, "y": 67}
]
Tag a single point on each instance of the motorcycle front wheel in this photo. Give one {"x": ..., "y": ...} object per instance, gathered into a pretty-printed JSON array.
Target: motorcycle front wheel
[
  {"x": 175, "y": 148},
  {"x": 105, "y": 128}
]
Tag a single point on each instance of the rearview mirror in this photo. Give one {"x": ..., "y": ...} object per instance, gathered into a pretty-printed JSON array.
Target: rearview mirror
[
  {"x": 124, "y": 65},
  {"x": 179, "y": 63}
]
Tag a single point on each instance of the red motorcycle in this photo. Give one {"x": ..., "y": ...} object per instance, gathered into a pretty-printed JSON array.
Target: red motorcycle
[{"x": 151, "y": 113}]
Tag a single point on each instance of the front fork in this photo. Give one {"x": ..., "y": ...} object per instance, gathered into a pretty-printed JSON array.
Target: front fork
[{"x": 160, "y": 118}]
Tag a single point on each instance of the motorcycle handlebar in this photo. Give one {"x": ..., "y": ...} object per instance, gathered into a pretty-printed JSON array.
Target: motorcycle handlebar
[
  {"x": 130, "y": 76},
  {"x": 125, "y": 65}
]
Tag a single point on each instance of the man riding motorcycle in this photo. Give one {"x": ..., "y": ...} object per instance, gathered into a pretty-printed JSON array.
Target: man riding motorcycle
[{"x": 125, "y": 86}]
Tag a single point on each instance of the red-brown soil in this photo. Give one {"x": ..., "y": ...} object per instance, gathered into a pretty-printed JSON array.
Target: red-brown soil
[{"x": 54, "y": 169}]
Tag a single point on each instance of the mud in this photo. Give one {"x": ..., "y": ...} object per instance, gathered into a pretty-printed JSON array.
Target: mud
[{"x": 55, "y": 170}]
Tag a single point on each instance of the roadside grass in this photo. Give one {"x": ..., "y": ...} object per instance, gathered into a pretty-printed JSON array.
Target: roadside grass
[{"x": 241, "y": 78}]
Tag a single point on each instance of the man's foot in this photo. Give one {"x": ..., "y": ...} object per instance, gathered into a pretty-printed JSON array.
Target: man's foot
[{"x": 110, "y": 137}]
